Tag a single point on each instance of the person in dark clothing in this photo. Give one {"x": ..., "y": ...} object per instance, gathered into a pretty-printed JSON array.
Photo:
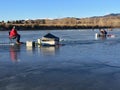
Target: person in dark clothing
[{"x": 103, "y": 32}]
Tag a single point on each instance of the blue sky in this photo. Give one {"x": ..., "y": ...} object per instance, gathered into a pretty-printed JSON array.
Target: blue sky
[{"x": 37, "y": 9}]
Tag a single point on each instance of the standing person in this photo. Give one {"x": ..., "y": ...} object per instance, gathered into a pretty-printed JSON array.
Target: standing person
[
  {"x": 14, "y": 34},
  {"x": 103, "y": 32}
]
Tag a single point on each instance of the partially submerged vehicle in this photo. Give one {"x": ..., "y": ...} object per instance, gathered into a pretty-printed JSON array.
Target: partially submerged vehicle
[{"x": 49, "y": 40}]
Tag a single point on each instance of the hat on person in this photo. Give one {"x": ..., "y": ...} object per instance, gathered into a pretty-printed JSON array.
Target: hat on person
[
  {"x": 102, "y": 30},
  {"x": 13, "y": 27}
]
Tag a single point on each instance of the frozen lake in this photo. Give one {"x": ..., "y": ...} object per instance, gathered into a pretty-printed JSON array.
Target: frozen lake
[{"x": 81, "y": 63}]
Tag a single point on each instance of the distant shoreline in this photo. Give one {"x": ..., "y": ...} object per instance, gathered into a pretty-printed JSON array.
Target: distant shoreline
[
  {"x": 107, "y": 21},
  {"x": 29, "y": 28}
]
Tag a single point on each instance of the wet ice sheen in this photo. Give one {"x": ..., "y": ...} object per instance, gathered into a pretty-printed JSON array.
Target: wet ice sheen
[{"x": 81, "y": 63}]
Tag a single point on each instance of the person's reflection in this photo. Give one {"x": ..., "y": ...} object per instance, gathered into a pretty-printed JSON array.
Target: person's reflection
[
  {"x": 13, "y": 53},
  {"x": 103, "y": 38}
]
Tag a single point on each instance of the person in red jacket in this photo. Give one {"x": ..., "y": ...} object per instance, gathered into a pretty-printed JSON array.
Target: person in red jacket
[{"x": 14, "y": 34}]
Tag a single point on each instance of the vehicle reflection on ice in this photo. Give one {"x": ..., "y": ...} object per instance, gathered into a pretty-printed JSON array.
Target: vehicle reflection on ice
[
  {"x": 48, "y": 50},
  {"x": 30, "y": 50}
]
